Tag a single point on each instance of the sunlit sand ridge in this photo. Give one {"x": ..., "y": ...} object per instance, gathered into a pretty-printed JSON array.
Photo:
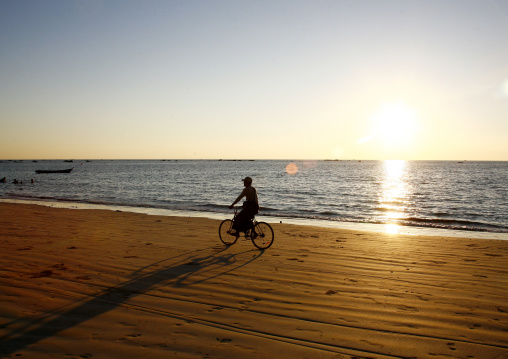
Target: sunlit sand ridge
[{"x": 92, "y": 284}]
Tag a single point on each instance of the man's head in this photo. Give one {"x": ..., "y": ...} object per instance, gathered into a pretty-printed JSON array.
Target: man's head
[{"x": 247, "y": 181}]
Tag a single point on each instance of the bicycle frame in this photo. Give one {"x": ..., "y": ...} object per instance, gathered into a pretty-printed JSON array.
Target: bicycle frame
[{"x": 251, "y": 227}]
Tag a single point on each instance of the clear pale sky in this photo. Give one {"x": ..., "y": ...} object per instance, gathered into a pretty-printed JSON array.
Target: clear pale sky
[{"x": 254, "y": 79}]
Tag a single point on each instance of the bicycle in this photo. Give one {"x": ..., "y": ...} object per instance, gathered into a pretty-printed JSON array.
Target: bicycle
[{"x": 260, "y": 233}]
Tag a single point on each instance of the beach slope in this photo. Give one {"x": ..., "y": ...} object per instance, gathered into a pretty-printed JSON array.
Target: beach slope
[{"x": 105, "y": 284}]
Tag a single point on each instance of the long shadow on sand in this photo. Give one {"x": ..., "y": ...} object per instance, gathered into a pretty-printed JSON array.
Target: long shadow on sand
[{"x": 176, "y": 271}]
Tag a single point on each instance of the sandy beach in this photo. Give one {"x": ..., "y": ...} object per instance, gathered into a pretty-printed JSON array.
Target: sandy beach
[{"x": 104, "y": 284}]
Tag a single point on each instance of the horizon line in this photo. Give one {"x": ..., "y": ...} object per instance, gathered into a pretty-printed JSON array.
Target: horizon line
[{"x": 70, "y": 160}]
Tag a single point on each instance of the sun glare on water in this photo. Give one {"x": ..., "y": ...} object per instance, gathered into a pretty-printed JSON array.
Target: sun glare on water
[{"x": 392, "y": 198}]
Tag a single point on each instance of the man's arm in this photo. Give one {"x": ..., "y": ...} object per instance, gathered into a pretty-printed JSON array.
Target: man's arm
[{"x": 239, "y": 197}]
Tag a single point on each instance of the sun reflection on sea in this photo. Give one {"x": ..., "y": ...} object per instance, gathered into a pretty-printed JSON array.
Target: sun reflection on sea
[
  {"x": 392, "y": 228},
  {"x": 393, "y": 193}
]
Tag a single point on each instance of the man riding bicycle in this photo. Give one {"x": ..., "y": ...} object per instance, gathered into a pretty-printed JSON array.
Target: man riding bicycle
[{"x": 250, "y": 207}]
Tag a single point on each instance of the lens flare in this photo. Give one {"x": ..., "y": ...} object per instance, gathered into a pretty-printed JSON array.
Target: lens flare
[
  {"x": 504, "y": 88},
  {"x": 292, "y": 169}
]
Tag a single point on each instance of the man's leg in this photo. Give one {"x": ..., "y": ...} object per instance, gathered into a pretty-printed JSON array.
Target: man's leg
[{"x": 241, "y": 220}]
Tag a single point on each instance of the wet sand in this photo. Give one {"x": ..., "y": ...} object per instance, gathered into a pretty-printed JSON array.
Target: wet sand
[{"x": 104, "y": 284}]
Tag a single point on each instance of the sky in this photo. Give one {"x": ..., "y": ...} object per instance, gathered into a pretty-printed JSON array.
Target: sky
[{"x": 277, "y": 79}]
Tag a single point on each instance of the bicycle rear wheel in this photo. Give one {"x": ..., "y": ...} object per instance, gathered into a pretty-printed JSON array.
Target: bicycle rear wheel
[
  {"x": 225, "y": 229},
  {"x": 262, "y": 235}
]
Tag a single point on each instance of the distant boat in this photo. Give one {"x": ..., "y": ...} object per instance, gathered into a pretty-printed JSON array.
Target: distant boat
[{"x": 55, "y": 171}]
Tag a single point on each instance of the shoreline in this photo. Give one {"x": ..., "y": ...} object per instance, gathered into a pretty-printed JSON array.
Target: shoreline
[
  {"x": 100, "y": 283},
  {"x": 368, "y": 227}
]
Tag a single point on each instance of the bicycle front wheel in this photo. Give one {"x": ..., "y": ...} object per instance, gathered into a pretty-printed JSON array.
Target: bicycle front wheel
[
  {"x": 262, "y": 235},
  {"x": 225, "y": 229}
]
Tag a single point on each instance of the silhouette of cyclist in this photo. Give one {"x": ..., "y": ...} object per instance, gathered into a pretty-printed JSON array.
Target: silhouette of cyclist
[{"x": 250, "y": 207}]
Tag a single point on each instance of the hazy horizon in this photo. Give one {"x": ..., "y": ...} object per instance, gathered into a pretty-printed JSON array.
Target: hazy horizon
[
  {"x": 66, "y": 160},
  {"x": 358, "y": 80}
]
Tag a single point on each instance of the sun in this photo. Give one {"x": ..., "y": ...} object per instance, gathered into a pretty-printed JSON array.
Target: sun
[{"x": 394, "y": 123}]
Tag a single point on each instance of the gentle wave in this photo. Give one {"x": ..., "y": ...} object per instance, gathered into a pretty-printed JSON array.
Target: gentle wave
[
  {"x": 455, "y": 224},
  {"x": 438, "y": 223},
  {"x": 441, "y": 223}
]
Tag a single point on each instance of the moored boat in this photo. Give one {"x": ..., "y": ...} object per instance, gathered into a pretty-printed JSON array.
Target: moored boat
[{"x": 55, "y": 171}]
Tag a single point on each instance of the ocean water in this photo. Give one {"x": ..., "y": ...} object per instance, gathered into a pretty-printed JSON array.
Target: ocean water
[{"x": 444, "y": 195}]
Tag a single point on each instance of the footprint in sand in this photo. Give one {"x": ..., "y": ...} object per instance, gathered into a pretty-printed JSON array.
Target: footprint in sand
[
  {"x": 128, "y": 336},
  {"x": 224, "y": 340},
  {"x": 24, "y": 249},
  {"x": 83, "y": 277},
  {"x": 186, "y": 334},
  {"x": 126, "y": 324},
  {"x": 407, "y": 308},
  {"x": 59, "y": 266},
  {"x": 214, "y": 309},
  {"x": 44, "y": 273},
  {"x": 27, "y": 313}
]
